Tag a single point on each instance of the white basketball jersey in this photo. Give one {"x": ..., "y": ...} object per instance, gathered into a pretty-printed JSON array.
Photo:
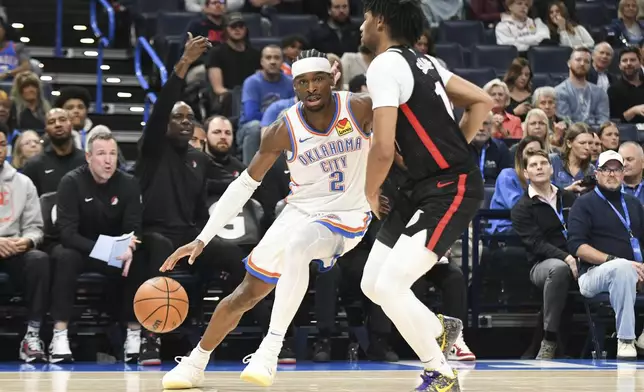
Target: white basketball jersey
[{"x": 328, "y": 167}]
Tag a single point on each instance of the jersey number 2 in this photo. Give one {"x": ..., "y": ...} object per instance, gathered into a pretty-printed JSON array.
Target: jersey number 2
[
  {"x": 336, "y": 180},
  {"x": 440, "y": 91}
]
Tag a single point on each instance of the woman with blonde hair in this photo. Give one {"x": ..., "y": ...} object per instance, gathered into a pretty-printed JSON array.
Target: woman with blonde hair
[
  {"x": 627, "y": 30},
  {"x": 536, "y": 124},
  {"x": 505, "y": 125},
  {"x": 572, "y": 168},
  {"x": 27, "y": 145},
  {"x": 29, "y": 104}
]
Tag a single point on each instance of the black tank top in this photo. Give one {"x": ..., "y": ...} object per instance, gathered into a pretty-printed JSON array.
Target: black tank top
[{"x": 427, "y": 136}]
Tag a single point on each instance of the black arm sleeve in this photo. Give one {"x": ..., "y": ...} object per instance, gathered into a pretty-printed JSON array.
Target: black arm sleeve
[
  {"x": 157, "y": 125},
  {"x": 132, "y": 216}
]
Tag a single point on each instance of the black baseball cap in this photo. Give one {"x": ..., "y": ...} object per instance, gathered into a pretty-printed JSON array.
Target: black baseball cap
[{"x": 233, "y": 17}]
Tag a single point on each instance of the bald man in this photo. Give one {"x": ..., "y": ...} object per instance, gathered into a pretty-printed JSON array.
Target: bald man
[
  {"x": 602, "y": 58},
  {"x": 633, "y": 165},
  {"x": 58, "y": 158}
]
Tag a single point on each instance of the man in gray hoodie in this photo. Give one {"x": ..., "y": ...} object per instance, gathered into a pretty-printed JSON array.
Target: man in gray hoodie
[{"x": 21, "y": 231}]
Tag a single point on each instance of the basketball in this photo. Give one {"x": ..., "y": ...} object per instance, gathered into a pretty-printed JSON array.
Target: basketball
[{"x": 161, "y": 304}]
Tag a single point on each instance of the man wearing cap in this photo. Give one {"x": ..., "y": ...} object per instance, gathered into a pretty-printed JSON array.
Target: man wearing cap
[{"x": 605, "y": 231}]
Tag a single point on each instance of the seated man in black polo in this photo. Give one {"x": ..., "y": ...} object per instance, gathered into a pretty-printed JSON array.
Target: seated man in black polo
[
  {"x": 539, "y": 218},
  {"x": 96, "y": 199},
  {"x": 605, "y": 231}
]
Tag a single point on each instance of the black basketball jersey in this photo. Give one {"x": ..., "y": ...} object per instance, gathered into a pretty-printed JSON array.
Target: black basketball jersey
[{"x": 427, "y": 135}]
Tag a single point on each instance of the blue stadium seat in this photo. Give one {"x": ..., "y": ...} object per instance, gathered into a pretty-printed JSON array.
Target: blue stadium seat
[
  {"x": 173, "y": 23},
  {"x": 558, "y": 78},
  {"x": 498, "y": 57},
  {"x": 464, "y": 32},
  {"x": 487, "y": 198},
  {"x": 254, "y": 24},
  {"x": 489, "y": 37},
  {"x": 478, "y": 76},
  {"x": 451, "y": 54},
  {"x": 541, "y": 80},
  {"x": 260, "y": 43},
  {"x": 549, "y": 59},
  {"x": 170, "y": 49},
  {"x": 627, "y": 133},
  {"x": 284, "y": 24},
  {"x": 591, "y": 14}
]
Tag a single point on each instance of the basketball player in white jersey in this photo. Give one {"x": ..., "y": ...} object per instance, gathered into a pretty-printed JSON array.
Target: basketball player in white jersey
[{"x": 326, "y": 143}]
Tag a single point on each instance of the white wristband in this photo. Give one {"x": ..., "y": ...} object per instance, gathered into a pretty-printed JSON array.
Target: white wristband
[{"x": 229, "y": 205}]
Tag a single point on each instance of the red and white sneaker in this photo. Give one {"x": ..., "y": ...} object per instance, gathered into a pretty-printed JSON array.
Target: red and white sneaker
[{"x": 460, "y": 351}]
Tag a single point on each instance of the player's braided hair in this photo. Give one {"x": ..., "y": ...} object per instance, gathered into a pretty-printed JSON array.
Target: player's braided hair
[
  {"x": 305, "y": 54},
  {"x": 405, "y": 18}
]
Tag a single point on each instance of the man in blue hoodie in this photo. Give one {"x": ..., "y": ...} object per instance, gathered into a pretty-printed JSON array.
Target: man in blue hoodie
[{"x": 21, "y": 231}]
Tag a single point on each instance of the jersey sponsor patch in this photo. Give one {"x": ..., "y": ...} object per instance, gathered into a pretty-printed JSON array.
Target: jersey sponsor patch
[{"x": 343, "y": 127}]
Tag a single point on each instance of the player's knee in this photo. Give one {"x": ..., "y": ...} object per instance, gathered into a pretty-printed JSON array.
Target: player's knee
[
  {"x": 368, "y": 287},
  {"x": 249, "y": 293}
]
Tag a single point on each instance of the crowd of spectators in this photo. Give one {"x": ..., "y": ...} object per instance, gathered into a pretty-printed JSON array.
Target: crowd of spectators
[{"x": 550, "y": 154}]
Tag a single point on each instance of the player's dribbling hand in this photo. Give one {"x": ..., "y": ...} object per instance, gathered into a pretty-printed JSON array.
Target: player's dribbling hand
[
  {"x": 195, "y": 47},
  {"x": 192, "y": 249}
]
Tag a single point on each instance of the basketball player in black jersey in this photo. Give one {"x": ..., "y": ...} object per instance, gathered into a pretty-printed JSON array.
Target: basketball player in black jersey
[{"x": 438, "y": 186}]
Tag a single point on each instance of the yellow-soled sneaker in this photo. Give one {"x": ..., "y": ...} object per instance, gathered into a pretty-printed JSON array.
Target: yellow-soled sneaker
[
  {"x": 434, "y": 381},
  {"x": 261, "y": 368},
  {"x": 185, "y": 375}
]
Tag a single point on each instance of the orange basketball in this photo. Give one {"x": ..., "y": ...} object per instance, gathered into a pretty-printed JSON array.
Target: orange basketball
[{"x": 161, "y": 304}]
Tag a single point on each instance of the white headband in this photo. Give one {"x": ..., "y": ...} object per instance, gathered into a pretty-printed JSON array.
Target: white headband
[{"x": 310, "y": 64}]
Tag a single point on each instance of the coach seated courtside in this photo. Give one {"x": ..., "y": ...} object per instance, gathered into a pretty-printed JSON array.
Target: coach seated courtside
[
  {"x": 539, "y": 218},
  {"x": 96, "y": 199},
  {"x": 21, "y": 231},
  {"x": 606, "y": 231}
]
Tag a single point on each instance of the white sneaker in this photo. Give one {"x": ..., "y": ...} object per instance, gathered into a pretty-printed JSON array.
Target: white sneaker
[
  {"x": 261, "y": 368},
  {"x": 187, "y": 374},
  {"x": 460, "y": 351},
  {"x": 626, "y": 351},
  {"x": 639, "y": 344},
  {"x": 132, "y": 345},
  {"x": 59, "y": 350}
]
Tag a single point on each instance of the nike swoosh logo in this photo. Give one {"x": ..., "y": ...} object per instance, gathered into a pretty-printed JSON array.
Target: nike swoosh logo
[
  {"x": 442, "y": 184},
  {"x": 88, "y": 199},
  {"x": 286, "y": 171},
  {"x": 303, "y": 140},
  {"x": 49, "y": 171}
]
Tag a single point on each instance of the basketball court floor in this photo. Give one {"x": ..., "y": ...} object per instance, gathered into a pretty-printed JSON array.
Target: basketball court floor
[{"x": 488, "y": 376}]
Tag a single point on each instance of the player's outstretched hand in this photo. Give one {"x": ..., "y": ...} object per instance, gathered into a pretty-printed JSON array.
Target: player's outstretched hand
[
  {"x": 336, "y": 73},
  {"x": 195, "y": 47},
  {"x": 192, "y": 249}
]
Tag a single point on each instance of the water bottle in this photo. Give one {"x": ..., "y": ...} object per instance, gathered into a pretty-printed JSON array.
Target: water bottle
[{"x": 353, "y": 352}]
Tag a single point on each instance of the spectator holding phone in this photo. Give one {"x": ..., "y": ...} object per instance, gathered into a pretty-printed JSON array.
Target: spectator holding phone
[{"x": 519, "y": 81}]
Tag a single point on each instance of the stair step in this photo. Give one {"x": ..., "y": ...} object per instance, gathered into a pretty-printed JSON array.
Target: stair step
[
  {"x": 45, "y": 52},
  {"x": 132, "y": 109},
  {"x": 111, "y": 93},
  {"x": 86, "y": 65},
  {"x": 90, "y": 80},
  {"x": 118, "y": 122}
]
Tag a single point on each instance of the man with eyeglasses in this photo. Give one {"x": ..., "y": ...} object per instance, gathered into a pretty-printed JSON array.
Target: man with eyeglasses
[
  {"x": 606, "y": 230},
  {"x": 492, "y": 155}
]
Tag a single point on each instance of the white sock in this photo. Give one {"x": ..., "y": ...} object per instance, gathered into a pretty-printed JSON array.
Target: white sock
[
  {"x": 440, "y": 365},
  {"x": 200, "y": 357},
  {"x": 60, "y": 332},
  {"x": 33, "y": 330}
]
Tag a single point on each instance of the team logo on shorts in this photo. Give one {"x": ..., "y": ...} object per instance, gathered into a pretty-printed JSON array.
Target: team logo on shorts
[{"x": 343, "y": 127}]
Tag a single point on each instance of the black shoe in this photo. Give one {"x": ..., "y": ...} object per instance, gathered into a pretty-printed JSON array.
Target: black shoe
[
  {"x": 379, "y": 350},
  {"x": 287, "y": 355},
  {"x": 322, "y": 351},
  {"x": 150, "y": 353}
]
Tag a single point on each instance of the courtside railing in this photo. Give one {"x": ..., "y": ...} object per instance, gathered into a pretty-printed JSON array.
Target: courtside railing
[
  {"x": 103, "y": 42},
  {"x": 142, "y": 45}
]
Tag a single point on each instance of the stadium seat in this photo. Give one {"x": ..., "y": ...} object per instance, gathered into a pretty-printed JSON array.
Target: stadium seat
[
  {"x": 357, "y": 20},
  {"x": 558, "y": 78},
  {"x": 541, "y": 80},
  {"x": 173, "y": 23},
  {"x": 549, "y": 59},
  {"x": 478, "y": 76},
  {"x": 261, "y": 42},
  {"x": 487, "y": 198},
  {"x": 591, "y": 14},
  {"x": 627, "y": 133},
  {"x": 254, "y": 24},
  {"x": 170, "y": 49},
  {"x": 48, "y": 210},
  {"x": 464, "y": 32},
  {"x": 451, "y": 54},
  {"x": 498, "y": 57},
  {"x": 245, "y": 229},
  {"x": 489, "y": 37},
  {"x": 284, "y": 24}
]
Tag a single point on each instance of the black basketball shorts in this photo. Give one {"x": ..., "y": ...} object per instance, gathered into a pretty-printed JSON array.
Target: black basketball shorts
[{"x": 444, "y": 206}]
